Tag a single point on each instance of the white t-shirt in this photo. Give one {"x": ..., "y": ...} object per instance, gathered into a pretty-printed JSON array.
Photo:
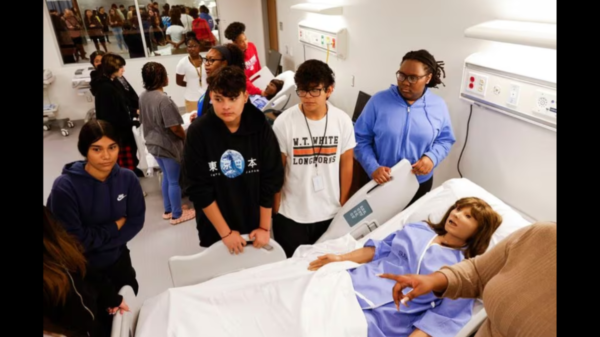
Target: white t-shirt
[
  {"x": 193, "y": 90},
  {"x": 187, "y": 22},
  {"x": 176, "y": 32},
  {"x": 299, "y": 201}
]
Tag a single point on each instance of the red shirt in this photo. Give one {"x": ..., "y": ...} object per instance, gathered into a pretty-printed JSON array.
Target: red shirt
[
  {"x": 252, "y": 67},
  {"x": 202, "y": 30}
]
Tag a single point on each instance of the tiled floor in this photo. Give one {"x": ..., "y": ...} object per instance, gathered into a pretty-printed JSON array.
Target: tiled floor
[{"x": 158, "y": 240}]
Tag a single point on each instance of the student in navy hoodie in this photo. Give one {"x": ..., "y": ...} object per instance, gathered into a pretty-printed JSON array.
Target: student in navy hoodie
[
  {"x": 233, "y": 166},
  {"x": 406, "y": 121},
  {"x": 101, "y": 203}
]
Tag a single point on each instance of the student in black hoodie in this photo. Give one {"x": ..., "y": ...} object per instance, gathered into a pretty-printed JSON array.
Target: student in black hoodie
[
  {"x": 113, "y": 105},
  {"x": 233, "y": 166},
  {"x": 74, "y": 293},
  {"x": 96, "y": 74}
]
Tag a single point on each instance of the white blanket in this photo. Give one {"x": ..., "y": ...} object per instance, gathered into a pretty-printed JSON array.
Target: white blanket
[{"x": 279, "y": 299}]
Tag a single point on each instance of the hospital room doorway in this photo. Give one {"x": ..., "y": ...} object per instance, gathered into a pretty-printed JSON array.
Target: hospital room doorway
[{"x": 272, "y": 25}]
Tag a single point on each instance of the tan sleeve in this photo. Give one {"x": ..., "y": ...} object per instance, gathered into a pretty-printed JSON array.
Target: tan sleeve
[{"x": 468, "y": 278}]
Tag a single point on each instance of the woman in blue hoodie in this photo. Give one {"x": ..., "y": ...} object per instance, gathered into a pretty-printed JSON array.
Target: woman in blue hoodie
[
  {"x": 101, "y": 203},
  {"x": 406, "y": 121}
]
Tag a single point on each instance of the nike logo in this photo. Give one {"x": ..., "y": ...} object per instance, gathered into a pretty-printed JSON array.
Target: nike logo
[{"x": 121, "y": 197}]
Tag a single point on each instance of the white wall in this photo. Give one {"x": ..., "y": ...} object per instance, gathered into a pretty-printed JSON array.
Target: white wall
[
  {"x": 514, "y": 160},
  {"x": 248, "y": 12},
  {"x": 75, "y": 107}
]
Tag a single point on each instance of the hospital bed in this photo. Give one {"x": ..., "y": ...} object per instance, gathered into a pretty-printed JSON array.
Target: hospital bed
[
  {"x": 262, "y": 78},
  {"x": 431, "y": 206},
  {"x": 50, "y": 109},
  {"x": 81, "y": 82},
  {"x": 286, "y": 97},
  {"x": 216, "y": 261}
]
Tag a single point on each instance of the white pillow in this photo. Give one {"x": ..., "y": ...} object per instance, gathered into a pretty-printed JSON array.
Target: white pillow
[{"x": 434, "y": 205}]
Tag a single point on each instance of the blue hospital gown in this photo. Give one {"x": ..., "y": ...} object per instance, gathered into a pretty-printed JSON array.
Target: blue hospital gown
[{"x": 408, "y": 251}]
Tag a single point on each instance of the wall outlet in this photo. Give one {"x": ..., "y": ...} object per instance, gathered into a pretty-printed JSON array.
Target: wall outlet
[
  {"x": 513, "y": 95},
  {"x": 352, "y": 80},
  {"x": 476, "y": 83},
  {"x": 280, "y": 25},
  {"x": 545, "y": 103}
]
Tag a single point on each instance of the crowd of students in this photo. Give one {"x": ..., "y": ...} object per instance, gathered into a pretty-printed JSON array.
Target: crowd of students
[{"x": 242, "y": 175}]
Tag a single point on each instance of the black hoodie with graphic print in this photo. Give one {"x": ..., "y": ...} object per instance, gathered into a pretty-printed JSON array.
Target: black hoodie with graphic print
[{"x": 241, "y": 171}]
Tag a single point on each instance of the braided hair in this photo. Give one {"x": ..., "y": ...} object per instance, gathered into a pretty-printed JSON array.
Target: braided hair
[
  {"x": 436, "y": 68},
  {"x": 154, "y": 76}
]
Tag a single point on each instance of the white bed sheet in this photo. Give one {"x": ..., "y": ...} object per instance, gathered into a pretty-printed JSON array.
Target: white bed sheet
[
  {"x": 279, "y": 299},
  {"x": 284, "y": 298}
]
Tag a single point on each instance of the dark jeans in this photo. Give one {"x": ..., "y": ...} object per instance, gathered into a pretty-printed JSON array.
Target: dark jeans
[
  {"x": 423, "y": 189},
  {"x": 290, "y": 234},
  {"x": 121, "y": 273}
]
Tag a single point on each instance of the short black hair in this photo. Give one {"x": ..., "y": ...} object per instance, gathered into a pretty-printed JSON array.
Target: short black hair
[
  {"x": 278, "y": 86},
  {"x": 121, "y": 6},
  {"x": 154, "y": 76},
  {"x": 234, "y": 30},
  {"x": 431, "y": 66},
  {"x": 111, "y": 63},
  {"x": 96, "y": 53},
  {"x": 229, "y": 81},
  {"x": 93, "y": 131},
  {"x": 204, "y": 9},
  {"x": 175, "y": 15},
  {"x": 194, "y": 13},
  {"x": 312, "y": 73},
  {"x": 237, "y": 56},
  {"x": 191, "y": 36}
]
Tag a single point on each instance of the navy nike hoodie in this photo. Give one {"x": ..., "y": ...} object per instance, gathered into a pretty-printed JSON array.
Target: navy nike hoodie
[{"x": 88, "y": 209}]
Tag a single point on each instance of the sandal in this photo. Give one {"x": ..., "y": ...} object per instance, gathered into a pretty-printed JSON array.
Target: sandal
[
  {"x": 187, "y": 215},
  {"x": 168, "y": 216}
]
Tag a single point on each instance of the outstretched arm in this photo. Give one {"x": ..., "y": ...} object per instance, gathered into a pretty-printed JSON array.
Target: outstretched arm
[
  {"x": 373, "y": 250},
  {"x": 362, "y": 255}
]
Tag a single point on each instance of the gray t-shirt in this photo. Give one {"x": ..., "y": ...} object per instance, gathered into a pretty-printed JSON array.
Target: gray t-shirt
[{"x": 157, "y": 114}]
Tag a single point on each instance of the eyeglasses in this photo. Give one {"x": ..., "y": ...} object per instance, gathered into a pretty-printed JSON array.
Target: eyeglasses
[
  {"x": 412, "y": 79},
  {"x": 313, "y": 92},
  {"x": 211, "y": 61}
]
